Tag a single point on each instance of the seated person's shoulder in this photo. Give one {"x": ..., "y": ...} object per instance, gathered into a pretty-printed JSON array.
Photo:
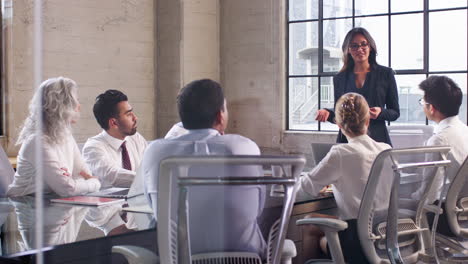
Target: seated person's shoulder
[
  {"x": 165, "y": 145},
  {"x": 138, "y": 140},
  {"x": 383, "y": 146},
  {"x": 138, "y": 137},
  {"x": 437, "y": 140},
  {"x": 92, "y": 141},
  {"x": 240, "y": 145},
  {"x": 385, "y": 69}
]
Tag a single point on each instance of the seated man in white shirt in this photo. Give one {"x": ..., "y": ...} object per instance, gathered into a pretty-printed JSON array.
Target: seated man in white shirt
[
  {"x": 441, "y": 102},
  {"x": 115, "y": 154},
  {"x": 225, "y": 218}
]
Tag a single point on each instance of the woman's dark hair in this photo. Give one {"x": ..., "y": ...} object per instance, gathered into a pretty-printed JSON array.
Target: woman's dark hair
[
  {"x": 348, "y": 62},
  {"x": 199, "y": 102},
  {"x": 443, "y": 93}
]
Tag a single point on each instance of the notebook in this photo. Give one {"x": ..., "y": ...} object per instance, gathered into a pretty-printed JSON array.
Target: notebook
[
  {"x": 115, "y": 192},
  {"x": 87, "y": 200}
]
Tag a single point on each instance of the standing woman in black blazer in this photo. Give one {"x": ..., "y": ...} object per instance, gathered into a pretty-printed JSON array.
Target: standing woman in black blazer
[{"x": 361, "y": 74}]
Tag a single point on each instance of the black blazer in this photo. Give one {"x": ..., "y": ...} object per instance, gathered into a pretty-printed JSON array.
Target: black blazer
[{"x": 380, "y": 90}]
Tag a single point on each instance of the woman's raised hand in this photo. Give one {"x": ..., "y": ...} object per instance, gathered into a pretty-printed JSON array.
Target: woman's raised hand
[{"x": 322, "y": 115}]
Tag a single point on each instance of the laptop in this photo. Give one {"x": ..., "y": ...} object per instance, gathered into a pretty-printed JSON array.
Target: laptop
[
  {"x": 115, "y": 192},
  {"x": 320, "y": 150}
]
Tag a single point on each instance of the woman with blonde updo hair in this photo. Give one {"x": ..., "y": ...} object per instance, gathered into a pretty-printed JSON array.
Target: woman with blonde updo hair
[
  {"x": 347, "y": 168},
  {"x": 352, "y": 114},
  {"x": 55, "y": 107}
]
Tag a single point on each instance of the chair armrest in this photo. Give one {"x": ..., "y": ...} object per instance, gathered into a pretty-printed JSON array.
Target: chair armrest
[
  {"x": 433, "y": 209},
  {"x": 289, "y": 252},
  {"x": 136, "y": 255},
  {"x": 327, "y": 224},
  {"x": 410, "y": 204},
  {"x": 330, "y": 227}
]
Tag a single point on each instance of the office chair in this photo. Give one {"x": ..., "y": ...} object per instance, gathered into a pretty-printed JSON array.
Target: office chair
[
  {"x": 174, "y": 235},
  {"x": 453, "y": 248},
  {"x": 408, "y": 136},
  {"x": 393, "y": 234}
]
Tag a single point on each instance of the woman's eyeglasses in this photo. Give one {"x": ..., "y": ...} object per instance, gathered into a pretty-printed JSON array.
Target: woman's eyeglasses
[
  {"x": 355, "y": 46},
  {"x": 422, "y": 102}
]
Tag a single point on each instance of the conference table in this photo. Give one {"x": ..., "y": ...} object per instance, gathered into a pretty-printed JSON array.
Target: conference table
[
  {"x": 85, "y": 234},
  {"x": 73, "y": 233}
]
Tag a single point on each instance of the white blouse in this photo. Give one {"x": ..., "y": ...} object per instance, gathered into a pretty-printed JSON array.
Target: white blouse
[
  {"x": 347, "y": 167},
  {"x": 103, "y": 154},
  {"x": 54, "y": 158},
  {"x": 450, "y": 132}
]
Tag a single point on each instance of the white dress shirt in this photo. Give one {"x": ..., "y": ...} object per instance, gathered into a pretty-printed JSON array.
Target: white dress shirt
[
  {"x": 347, "y": 167},
  {"x": 54, "y": 157},
  {"x": 103, "y": 154},
  {"x": 449, "y": 132},
  {"x": 176, "y": 130},
  {"x": 225, "y": 218}
]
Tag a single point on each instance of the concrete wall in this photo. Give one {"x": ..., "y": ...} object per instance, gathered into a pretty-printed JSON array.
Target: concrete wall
[
  {"x": 117, "y": 44},
  {"x": 253, "y": 74},
  {"x": 105, "y": 44},
  {"x": 188, "y": 37}
]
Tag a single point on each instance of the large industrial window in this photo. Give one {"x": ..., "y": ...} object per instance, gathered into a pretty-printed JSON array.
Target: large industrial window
[
  {"x": 416, "y": 38},
  {"x": 2, "y": 72}
]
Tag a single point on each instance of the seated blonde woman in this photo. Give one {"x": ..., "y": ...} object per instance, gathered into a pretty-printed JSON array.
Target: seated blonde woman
[
  {"x": 65, "y": 173},
  {"x": 347, "y": 168}
]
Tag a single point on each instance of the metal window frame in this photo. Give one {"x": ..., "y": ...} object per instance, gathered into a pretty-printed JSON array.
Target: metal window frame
[{"x": 425, "y": 70}]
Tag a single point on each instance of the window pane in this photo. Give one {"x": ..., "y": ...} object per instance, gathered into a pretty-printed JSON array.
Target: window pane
[
  {"x": 337, "y": 8},
  {"x": 405, "y": 5},
  {"x": 409, "y": 94},
  {"x": 407, "y": 42},
  {"x": 438, "y": 4},
  {"x": 303, "y": 48},
  {"x": 447, "y": 40},
  {"x": 378, "y": 28},
  {"x": 303, "y": 9},
  {"x": 366, "y": 7},
  {"x": 461, "y": 80},
  {"x": 334, "y": 32},
  {"x": 327, "y": 100},
  {"x": 303, "y": 103}
]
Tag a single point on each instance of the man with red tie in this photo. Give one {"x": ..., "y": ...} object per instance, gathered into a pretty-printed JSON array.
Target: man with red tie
[{"x": 115, "y": 154}]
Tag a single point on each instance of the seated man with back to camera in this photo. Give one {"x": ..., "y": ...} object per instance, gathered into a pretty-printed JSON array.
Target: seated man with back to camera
[
  {"x": 115, "y": 154},
  {"x": 233, "y": 209},
  {"x": 441, "y": 103}
]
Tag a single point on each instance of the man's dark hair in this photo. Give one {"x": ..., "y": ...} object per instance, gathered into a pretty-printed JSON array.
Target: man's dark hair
[
  {"x": 105, "y": 106},
  {"x": 199, "y": 102},
  {"x": 443, "y": 93}
]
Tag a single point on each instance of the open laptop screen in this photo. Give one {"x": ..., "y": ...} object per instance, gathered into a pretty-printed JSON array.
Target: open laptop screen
[{"x": 320, "y": 150}]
